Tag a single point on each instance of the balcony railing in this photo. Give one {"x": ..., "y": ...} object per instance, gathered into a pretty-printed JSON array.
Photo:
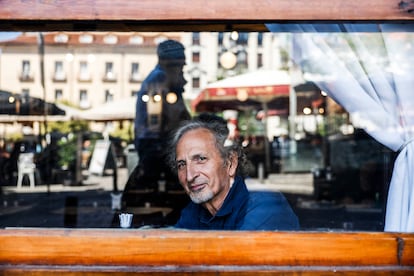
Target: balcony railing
[
  {"x": 59, "y": 77},
  {"x": 85, "y": 77},
  {"x": 109, "y": 77},
  {"x": 26, "y": 77}
]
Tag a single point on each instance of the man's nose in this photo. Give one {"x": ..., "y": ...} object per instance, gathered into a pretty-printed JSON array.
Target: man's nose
[
  {"x": 183, "y": 81},
  {"x": 191, "y": 172}
]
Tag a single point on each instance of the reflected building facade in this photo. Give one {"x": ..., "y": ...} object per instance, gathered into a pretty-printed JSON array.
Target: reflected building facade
[{"x": 88, "y": 69}]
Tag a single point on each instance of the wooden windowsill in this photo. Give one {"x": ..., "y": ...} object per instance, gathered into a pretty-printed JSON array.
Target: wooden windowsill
[{"x": 167, "y": 250}]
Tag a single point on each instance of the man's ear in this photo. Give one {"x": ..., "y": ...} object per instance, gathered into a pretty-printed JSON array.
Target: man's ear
[{"x": 233, "y": 163}]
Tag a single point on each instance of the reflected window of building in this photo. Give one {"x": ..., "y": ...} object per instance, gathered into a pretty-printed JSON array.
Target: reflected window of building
[
  {"x": 220, "y": 38},
  {"x": 25, "y": 95},
  {"x": 110, "y": 39},
  {"x": 26, "y": 74},
  {"x": 86, "y": 38},
  {"x": 260, "y": 39},
  {"x": 25, "y": 68},
  {"x": 259, "y": 60},
  {"x": 59, "y": 74},
  {"x": 84, "y": 74},
  {"x": 242, "y": 59},
  {"x": 58, "y": 94},
  {"x": 136, "y": 39},
  {"x": 84, "y": 99},
  {"x": 196, "y": 82},
  {"x": 83, "y": 95},
  {"x": 109, "y": 96},
  {"x": 160, "y": 39},
  {"x": 242, "y": 38},
  {"x": 196, "y": 38},
  {"x": 196, "y": 57},
  {"x": 109, "y": 71},
  {"x": 61, "y": 38},
  {"x": 135, "y": 76}
]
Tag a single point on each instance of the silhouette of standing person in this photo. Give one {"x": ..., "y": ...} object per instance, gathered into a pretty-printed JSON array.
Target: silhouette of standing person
[{"x": 160, "y": 108}]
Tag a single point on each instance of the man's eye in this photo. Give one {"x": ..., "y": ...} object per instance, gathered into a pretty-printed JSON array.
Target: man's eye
[
  {"x": 201, "y": 158},
  {"x": 180, "y": 165}
]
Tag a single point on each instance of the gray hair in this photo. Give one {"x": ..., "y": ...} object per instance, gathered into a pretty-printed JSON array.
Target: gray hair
[{"x": 218, "y": 127}]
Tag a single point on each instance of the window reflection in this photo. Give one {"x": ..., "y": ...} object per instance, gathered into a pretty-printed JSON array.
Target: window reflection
[{"x": 334, "y": 174}]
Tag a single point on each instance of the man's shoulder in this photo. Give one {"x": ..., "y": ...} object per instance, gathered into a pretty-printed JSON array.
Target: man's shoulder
[
  {"x": 270, "y": 202},
  {"x": 157, "y": 74},
  {"x": 269, "y": 211},
  {"x": 266, "y": 197}
]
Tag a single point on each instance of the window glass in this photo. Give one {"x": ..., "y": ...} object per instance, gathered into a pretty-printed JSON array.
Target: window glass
[
  {"x": 109, "y": 96},
  {"x": 298, "y": 139},
  {"x": 84, "y": 99},
  {"x": 59, "y": 71},
  {"x": 135, "y": 73},
  {"x": 84, "y": 71},
  {"x": 26, "y": 68},
  {"x": 109, "y": 67},
  {"x": 58, "y": 94}
]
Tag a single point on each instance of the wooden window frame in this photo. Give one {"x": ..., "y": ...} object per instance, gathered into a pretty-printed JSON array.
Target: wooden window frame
[
  {"x": 118, "y": 251},
  {"x": 164, "y": 15}
]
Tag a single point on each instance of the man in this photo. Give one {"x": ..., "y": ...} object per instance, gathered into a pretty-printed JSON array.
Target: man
[
  {"x": 160, "y": 108},
  {"x": 212, "y": 176}
]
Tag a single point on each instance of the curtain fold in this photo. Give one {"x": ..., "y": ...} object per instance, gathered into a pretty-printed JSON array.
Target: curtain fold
[{"x": 368, "y": 69}]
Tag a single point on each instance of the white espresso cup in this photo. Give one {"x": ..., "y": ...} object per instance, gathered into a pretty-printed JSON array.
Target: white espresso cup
[{"x": 125, "y": 220}]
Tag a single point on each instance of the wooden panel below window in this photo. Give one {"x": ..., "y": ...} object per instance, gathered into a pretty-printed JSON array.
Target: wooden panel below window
[{"x": 203, "y": 252}]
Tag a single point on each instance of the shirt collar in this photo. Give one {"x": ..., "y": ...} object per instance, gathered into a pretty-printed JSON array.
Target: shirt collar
[{"x": 237, "y": 195}]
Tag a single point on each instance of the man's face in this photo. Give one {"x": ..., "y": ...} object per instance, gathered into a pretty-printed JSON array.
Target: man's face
[
  {"x": 202, "y": 172},
  {"x": 175, "y": 76}
]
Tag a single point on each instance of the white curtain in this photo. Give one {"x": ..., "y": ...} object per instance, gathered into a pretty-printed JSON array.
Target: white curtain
[{"x": 368, "y": 69}]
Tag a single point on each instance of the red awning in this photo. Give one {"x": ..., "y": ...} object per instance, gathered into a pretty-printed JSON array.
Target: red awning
[{"x": 244, "y": 91}]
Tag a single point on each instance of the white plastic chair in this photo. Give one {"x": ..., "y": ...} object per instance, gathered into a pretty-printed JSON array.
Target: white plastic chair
[{"x": 26, "y": 166}]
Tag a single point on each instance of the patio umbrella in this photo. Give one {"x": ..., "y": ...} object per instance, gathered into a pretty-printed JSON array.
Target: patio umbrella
[{"x": 117, "y": 110}]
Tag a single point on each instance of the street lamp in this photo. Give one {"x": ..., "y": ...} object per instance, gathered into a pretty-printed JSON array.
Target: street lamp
[{"x": 228, "y": 60}]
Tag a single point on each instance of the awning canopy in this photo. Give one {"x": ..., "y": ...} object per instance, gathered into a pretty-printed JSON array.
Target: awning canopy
[
  {"x": 10, "y": 119},
  {"x": 17, "y": 108},
  {"x": 245, "y": 91},
  {"x": 17, "y": 104}
]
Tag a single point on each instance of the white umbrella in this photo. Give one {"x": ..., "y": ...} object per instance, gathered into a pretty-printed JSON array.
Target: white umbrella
[{"x": 118, "y": 110}]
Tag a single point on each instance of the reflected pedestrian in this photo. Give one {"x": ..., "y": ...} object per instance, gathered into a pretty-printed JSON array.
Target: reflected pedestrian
[{"x": 160, "y": 108}]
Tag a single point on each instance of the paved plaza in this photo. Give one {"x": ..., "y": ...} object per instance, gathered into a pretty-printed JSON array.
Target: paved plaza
[{"x": 89, "y": 205}]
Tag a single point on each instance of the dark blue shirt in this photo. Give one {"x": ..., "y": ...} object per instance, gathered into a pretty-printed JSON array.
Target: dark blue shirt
[{"x": 242, "y": 210}]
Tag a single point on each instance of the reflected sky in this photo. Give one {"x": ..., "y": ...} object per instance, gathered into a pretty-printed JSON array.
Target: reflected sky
[{"x": 8, "y": 35}]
